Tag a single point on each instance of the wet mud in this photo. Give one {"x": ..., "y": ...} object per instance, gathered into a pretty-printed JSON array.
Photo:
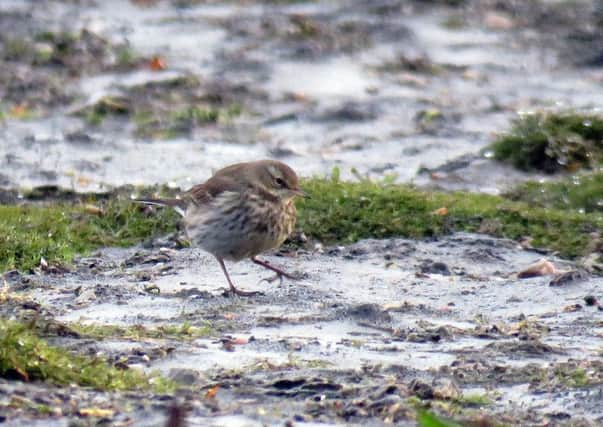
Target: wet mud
[
  {"x": 101, "y": 94},
  {"x": 120, "y": 92},
  {"x": 368, "y": 327}
]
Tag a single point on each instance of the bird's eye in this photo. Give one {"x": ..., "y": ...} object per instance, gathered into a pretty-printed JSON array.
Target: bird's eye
[{"x": 280, "y": 182}]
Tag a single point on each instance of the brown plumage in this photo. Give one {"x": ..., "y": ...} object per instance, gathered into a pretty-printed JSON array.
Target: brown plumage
[{"x": 240, "y": 212}]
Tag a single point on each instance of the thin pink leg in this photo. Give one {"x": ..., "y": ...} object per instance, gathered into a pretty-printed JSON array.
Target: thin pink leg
[{"x": 232, "y": 287}]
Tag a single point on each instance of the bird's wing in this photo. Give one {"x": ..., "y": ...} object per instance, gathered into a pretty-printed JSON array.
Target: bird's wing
[
  {"x": 204, "y": 193},
  {"x": 179, "y": 205}
]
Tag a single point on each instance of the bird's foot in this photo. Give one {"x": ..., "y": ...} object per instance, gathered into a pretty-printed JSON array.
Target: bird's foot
[
  {"x": 279, "y": 273},
  {"x": 279, "y": 277},
  {"x": 274, "y": 278}
]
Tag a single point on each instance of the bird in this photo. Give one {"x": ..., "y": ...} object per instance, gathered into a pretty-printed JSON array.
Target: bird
[{"x": 241, "y": 211}]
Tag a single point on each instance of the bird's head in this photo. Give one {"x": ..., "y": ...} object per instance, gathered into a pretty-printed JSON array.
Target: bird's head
[{"x": 279, "y": 179}]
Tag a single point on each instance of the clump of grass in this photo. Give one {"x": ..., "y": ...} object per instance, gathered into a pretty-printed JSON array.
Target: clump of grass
[
  {"x": 474, "y": 399},
  {"x": 58, "y": 232},
  {"x": 106, "y": 106},
  {"x": 345, "y": 212},
  {"x": 552, "y": 142},
  {"x": 126, "y": 56},
  {"x": 63, "y": 40},
  {"x": 26, "y": 356},
  {"x": 582, "y": 192}
]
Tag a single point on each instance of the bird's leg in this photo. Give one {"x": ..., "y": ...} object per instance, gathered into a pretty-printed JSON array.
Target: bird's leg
[
  {"x": 279, "y": 273},
  {"x": 234, "y": 290}
]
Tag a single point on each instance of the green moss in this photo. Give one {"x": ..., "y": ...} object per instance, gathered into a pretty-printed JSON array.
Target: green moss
[
  {"x": 58, "y": 232},
  {"x": 572, "y": 377},
  {"x": 582, "y": 192},
  {"x": 552, "y": 142},
  {"x": 182, "y": 121},
  {"x": 195, "y": 115},
  {"x": 26, "y": 356},
  {"x": 17, "y": 49},
  {"x": 474, "y": 399},
  {"x": 126, "y": 56},
  {"x": 345, "y": 212},
  {"x": 429, "y": 419},
  {"x": 63, "y": 40},
  {"x": 337, "y": 212},
  {"x": 184, "y": 331},
  {"x": 454, "y": 22}
]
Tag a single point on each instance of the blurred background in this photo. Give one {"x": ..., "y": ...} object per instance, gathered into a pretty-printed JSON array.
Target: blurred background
[{"x": 97, "y": 94}]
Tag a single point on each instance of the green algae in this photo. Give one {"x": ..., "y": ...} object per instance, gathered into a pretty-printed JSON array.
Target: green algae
[{"x": 429, "y": 419}]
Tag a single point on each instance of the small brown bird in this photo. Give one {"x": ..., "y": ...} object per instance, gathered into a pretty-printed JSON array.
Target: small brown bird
[{"x": 240, "y": 212}]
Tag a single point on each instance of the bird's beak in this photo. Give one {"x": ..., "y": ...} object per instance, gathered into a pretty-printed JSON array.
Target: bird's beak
[{"x": 300, "y": 193}]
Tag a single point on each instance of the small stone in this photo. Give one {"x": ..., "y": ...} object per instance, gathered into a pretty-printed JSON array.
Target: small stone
[
  {"x": 542, "y": 267},
  {"x": 498, "y": 21},
  {"x": 572, "y": 308},
  {"x": 434, "y": 267},
  {"x": 568, "y": 278},
  {"x": 590, "y": 300},
  {"x": 86, "y": 296},
  {"x": 421, "y": 389},
  {"x": 184, "y": 376},
  {"x": 446, "y": 389}
]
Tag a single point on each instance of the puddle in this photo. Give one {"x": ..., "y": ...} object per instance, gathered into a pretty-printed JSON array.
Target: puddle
[{"x": 339, "y": 77}]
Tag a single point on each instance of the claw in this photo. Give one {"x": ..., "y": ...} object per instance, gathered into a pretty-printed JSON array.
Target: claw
[
  {"x": 232, "y": 290},
  {"x": 280, "y": 273}
]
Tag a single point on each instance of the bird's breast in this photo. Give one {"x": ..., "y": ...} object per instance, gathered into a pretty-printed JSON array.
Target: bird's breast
[{"x": 241, "y": 227}]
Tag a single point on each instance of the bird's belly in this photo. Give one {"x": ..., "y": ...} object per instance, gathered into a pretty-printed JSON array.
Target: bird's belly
[{"x": 238, "y": 235}]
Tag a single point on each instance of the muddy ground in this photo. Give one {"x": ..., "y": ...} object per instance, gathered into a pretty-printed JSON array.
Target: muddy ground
[
  {"x": 99, "y": 94},
  {"x": 384, "y": 87},
  {"x": 368, "y": 326}
]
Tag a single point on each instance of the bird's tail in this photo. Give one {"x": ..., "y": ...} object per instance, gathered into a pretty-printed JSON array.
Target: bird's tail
[{"x": 178, "y": 205}]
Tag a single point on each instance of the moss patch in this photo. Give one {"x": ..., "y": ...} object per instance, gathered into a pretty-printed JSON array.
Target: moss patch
[
  {"x": 26, "y": 356},
  {"x": 167, "y": 108},
  {"x": 58, "y": 232},
  {"x": 429, "y": 419},
  {"x": 337, "y": 212},
  {"x": 152, "y": 124},
  {"x": 184, "y": 331},
  {"x": 552, "y": 142},
  {"x": 345, "y": 212},
  {"x": 582, "y": 192}
]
